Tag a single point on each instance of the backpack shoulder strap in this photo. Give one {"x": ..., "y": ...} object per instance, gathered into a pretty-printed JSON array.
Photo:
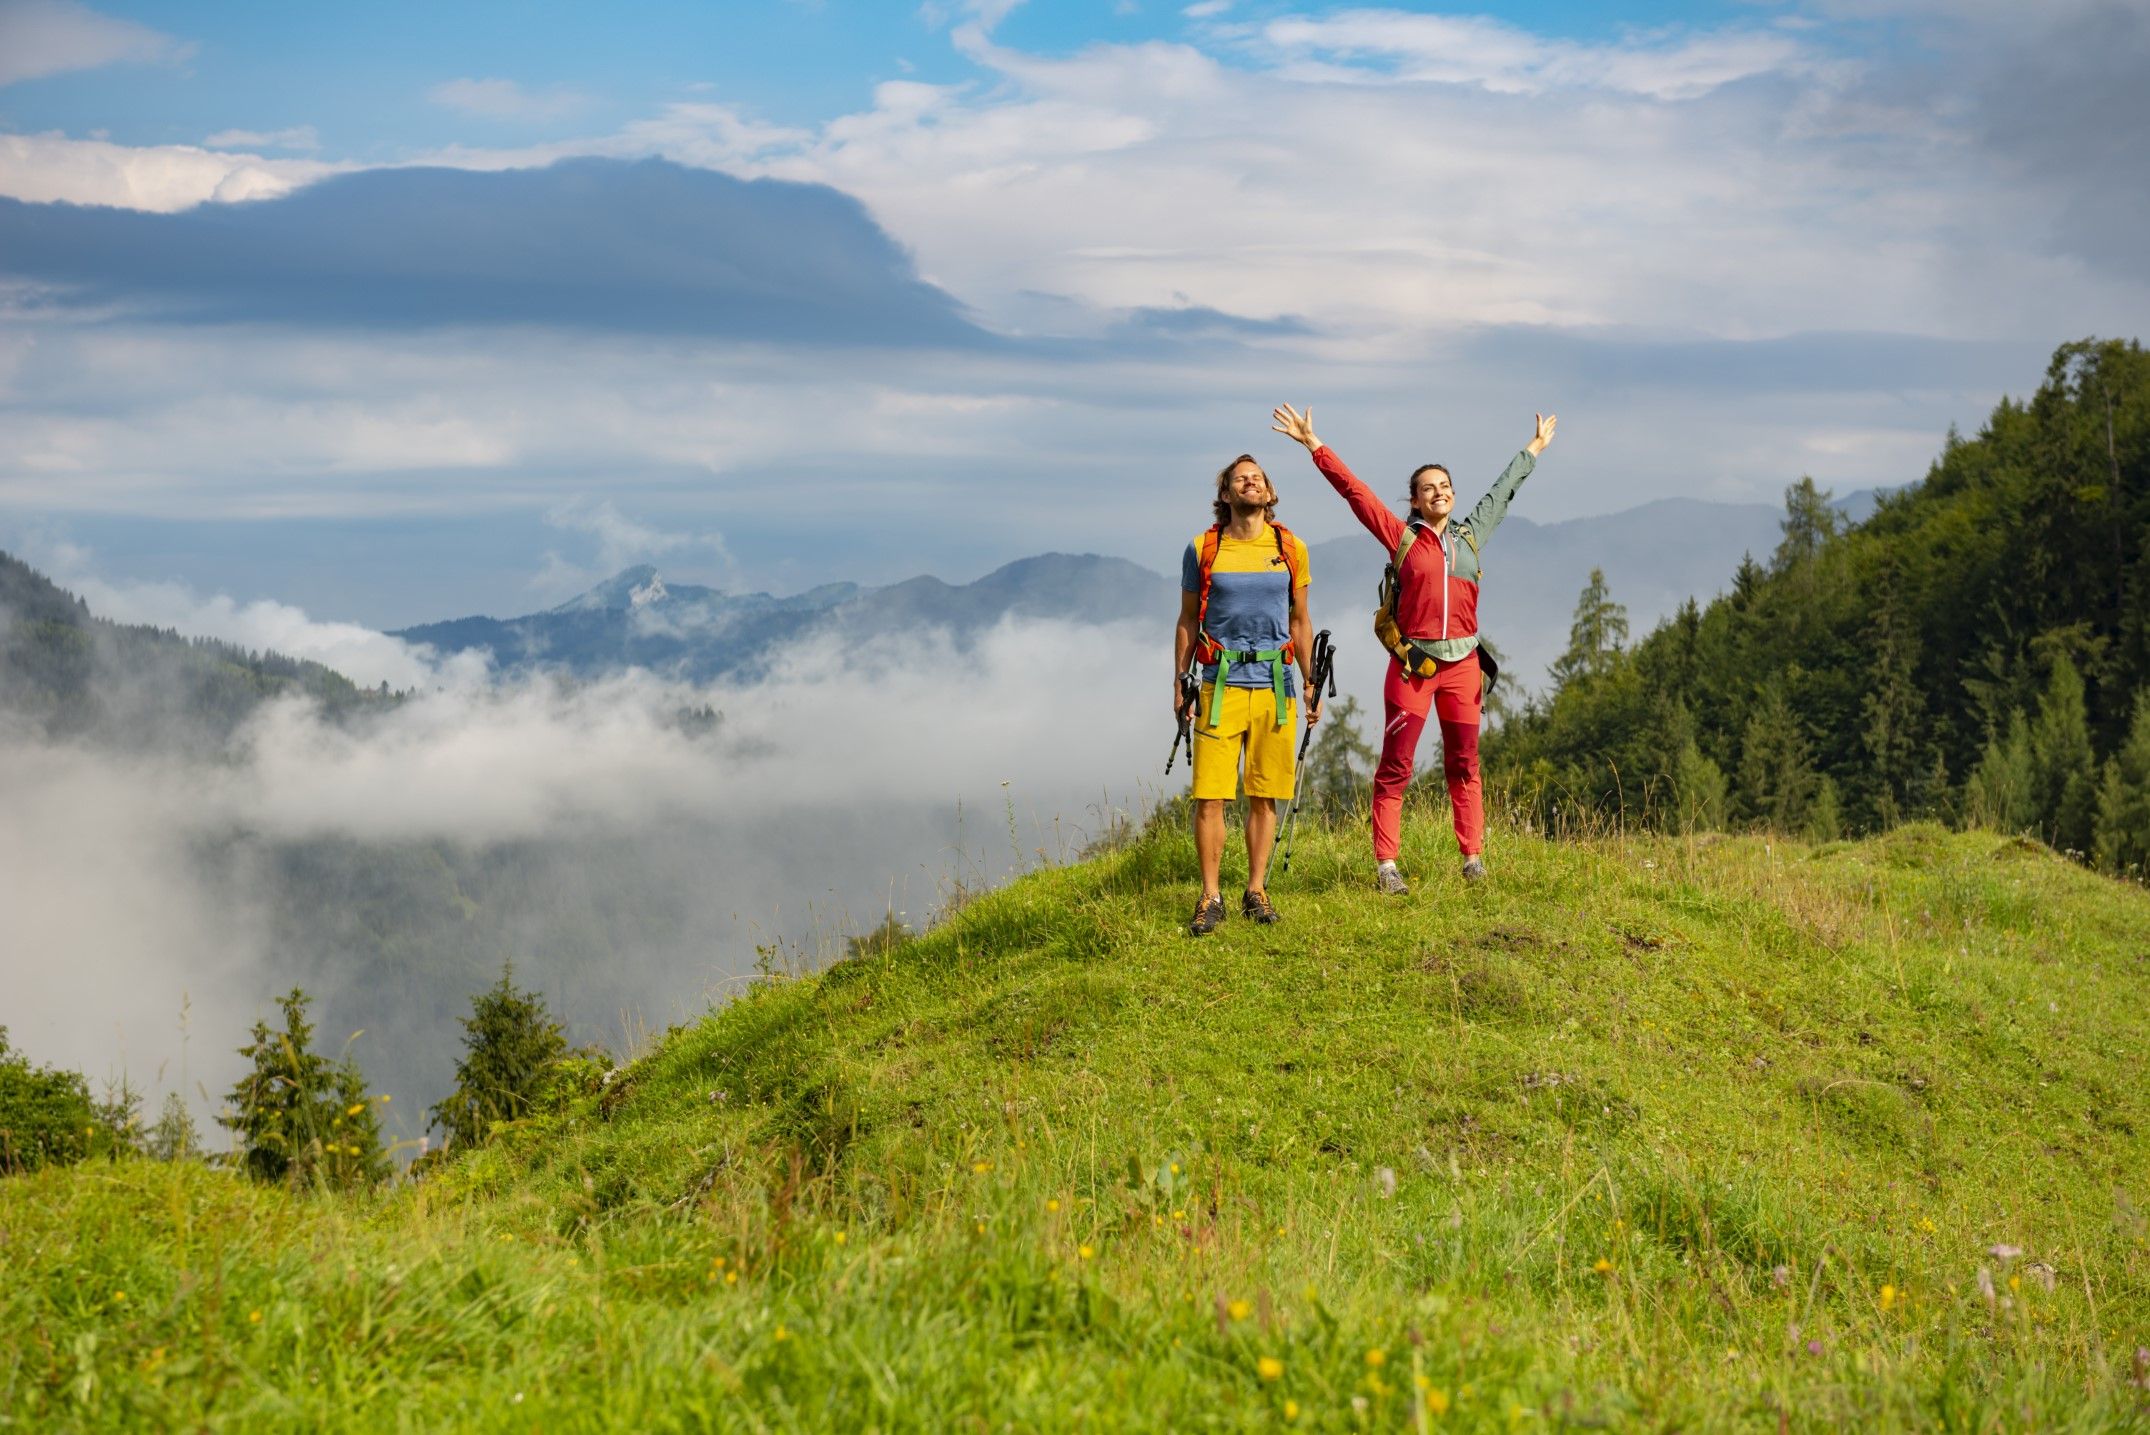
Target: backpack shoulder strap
[
  {"x": 1205, "y": 553},
  {"x": 1287, "y": 545},
  {"x": 1403, "y": 551}
]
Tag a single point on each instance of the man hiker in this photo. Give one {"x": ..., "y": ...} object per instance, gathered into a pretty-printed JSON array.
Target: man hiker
[
  {"x": 1243, "y": 619},
  {"x": 1429, "y": 622}
]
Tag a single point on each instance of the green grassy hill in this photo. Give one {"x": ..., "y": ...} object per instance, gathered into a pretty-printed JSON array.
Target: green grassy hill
[{"x": 1642, "y": 1134}]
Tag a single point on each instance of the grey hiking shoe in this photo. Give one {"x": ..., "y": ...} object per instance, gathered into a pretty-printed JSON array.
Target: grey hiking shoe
[
  {"x": 1208, "y": 913},
  {"x": 1255, "y": 905},
  {"x": 1474, "y": 869},
  {"x": 1390, "y": 883}
]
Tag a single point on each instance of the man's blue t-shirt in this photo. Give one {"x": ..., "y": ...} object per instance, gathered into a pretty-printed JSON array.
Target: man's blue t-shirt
[{"x": 1250, "y": 597}]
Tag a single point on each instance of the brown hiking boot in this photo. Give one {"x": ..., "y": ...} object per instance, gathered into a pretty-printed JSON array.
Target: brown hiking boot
[
  {"x": 1255, "y": 905},
  {"x": 1208, "y": 915}
]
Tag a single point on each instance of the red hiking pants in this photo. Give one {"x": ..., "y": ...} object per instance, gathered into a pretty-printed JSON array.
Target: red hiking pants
[{"x": 1453, "y": 692}]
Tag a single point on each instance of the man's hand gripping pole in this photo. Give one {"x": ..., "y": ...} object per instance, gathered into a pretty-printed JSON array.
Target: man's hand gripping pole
[
  {"x": 1323, "y": 676},
  {"x": 1190, "y": 698}
]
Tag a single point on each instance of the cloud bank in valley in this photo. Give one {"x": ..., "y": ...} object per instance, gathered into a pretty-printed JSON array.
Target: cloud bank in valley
[{"x": 628, "y": 856}]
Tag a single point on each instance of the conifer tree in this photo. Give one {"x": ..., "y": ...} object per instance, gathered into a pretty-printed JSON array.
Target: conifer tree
[
  {"x": 1595, "y": 637},
  {"x": 1776, "y": 769},
  {"x": 1825, "y": 820},
  {"x": 2002, "y": 793},
  {"x": 292, "y": 1110},
  {"x": 2123, "y": 825},
  {"x": 510, "y": 1043},
  {"x": 1810, "y": 521},
  {"x": 1892, "y": 707},
  {"x": 1340, "y": 764},
  {"x": 173, "y": 1137},
  {"x": 1698, "y": 788},
  {"x": 2064, "y": 773}
]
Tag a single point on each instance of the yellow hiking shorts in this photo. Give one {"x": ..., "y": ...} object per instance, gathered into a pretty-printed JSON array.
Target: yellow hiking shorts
[{"x": 1246, "y": 725}]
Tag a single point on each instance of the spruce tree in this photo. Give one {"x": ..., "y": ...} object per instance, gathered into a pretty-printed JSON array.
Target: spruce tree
[
  {"x": 1892, "y": 708},
  {"x": 1776, "y": 768},
  {"x": 1825, "y": 820},
  {"x": 1596, "y": 635},
  {"x": 173, "y": 1137},
  {"x": 2064, "y": 773},
  {"x": 1340, "y": 764},
  {"x": 2123, "y": 825},
  {"x": 510, "y": 1043},
  {"x": 1810, "y": 521},
  {"x": 2002, "y": 793},
  {"x": 1698, "y": 788},
  {"x": 292, "y": 1109}
]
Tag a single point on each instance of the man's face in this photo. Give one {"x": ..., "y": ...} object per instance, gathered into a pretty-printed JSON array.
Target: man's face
[
  {"x": 1435, "y": 495},
  {"x": 1249, "y": 486}
]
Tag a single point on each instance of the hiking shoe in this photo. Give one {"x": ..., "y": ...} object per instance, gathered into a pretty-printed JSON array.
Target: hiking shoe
[
  {"x": 1208, "y": 913},
  {"x": 1256, "y": 905},
  {"x": 1390, "y": 883},
  {"x": 1474, "y": 869}
]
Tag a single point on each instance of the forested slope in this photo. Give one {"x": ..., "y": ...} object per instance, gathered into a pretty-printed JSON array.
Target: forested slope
[{"x": 1975, "y": 648}]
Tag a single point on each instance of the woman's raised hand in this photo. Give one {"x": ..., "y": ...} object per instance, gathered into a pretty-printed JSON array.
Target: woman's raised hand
[
  {"x": 1546, "y": 424},
  {"x": 1296, "y": 426}
]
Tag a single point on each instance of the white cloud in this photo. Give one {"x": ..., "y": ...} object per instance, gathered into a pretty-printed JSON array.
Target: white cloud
[
  {"x": 497, "y": 99},
  {"x": 1389, "y": 46},
  {"x": 52, "y": 37},
  {"x": 621, "y": 541},
  {"x": 791, "y": 822},
  {"x": 1206, "y": 9},
  {"x": 46, "y": 168},
  {"x": 297, "y": 137},
  {"x": 359, "y": 653}
]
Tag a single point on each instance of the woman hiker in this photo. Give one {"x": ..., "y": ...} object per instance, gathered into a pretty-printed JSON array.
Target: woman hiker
[{"x": 1435, "y": 612}]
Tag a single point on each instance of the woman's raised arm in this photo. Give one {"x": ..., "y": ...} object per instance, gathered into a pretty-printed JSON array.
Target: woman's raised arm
[{"x": 1368, "y": 508}]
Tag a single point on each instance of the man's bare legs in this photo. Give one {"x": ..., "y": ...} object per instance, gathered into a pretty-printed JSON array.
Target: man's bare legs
[{"x": 1209, "y": 841}]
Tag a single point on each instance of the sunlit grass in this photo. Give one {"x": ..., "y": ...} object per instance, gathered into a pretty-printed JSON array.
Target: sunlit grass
[{"x": 1644, "y": 1132}]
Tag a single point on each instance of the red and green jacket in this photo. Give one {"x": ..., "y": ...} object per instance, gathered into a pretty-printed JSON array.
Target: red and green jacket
[{"x": 1437, "y": 592}]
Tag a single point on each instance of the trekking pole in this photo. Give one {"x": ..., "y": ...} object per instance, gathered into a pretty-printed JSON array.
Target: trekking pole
[
  {"x": 1190, "y": 696},
  {"x": 1324, "y": 675}
]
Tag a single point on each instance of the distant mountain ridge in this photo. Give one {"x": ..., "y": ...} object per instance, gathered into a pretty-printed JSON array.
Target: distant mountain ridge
[
  {"x": 638, "y": 618},
  {"x": 1654, "y": 556}
]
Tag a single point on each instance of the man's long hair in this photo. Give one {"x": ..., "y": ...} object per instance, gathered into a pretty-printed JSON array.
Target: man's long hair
[{"x": 1223, "y": 506}]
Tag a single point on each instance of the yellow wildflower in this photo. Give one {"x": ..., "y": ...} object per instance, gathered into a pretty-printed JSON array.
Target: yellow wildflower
[
  {"x": 253, "y": 1317},
  {"x": 782, "y": 1334},
  {"x": 1377, "y": 1357},
  {"x": 979, "y": 1168},
  {"x": 1603, "y": 1267},
  {"x": 357, "y": 1108},
  {"x": 1085, "y": 1252},
  {"x": 841, "y": 1237},
  {"x": 1291, "y": 1410},
  {"x": 1437, "y": 1401},
  {"x": 1888, "y": 1297},
  {"x": 731, "y": 1278},
  {"x": 120, "y": 1297},
  {"x": 1269, "y": 1368},
  {"x": 1239, "y": 1310},
  {"x": 1179, "y": 1215},
  {"x": 981, "y": 1228},
  {"x": 1052, "y": 1203}
]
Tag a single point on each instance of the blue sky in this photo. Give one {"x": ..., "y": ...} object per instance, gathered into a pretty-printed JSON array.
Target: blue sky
[{"x": 397, "y": 312}]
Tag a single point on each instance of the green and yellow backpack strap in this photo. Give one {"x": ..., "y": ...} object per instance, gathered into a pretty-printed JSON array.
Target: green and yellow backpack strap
[
  {"x": 1386, "y": 629},
  {"x": 1208, "y": 650}
]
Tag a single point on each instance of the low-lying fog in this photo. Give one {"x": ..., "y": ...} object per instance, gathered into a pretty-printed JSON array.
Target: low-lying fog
[{"x": 627, "y": 854}]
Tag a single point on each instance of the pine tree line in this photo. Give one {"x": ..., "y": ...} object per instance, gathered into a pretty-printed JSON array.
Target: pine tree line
[{"x": 297, "y": 1118}]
